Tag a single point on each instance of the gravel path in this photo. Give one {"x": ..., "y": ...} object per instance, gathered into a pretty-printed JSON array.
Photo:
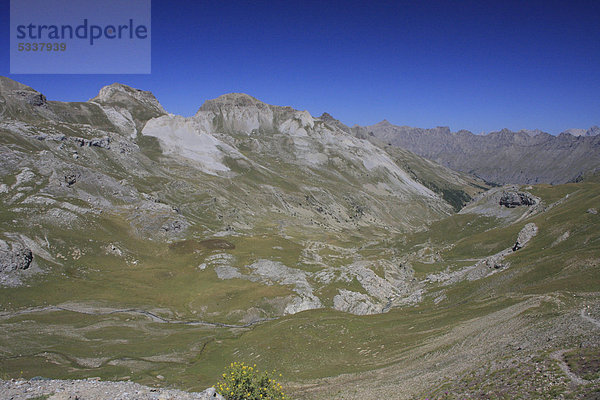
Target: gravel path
[{"x": 93, "y": 389}]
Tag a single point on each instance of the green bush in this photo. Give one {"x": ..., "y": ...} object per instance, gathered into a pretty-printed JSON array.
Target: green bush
[{"x": 243, "y": 382}]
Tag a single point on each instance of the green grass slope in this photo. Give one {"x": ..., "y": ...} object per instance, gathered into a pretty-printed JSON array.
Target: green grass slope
[{"x": 489, "y": 326}]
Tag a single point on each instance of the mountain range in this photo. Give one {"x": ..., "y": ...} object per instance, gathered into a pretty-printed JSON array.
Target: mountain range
[
  {"x": 140, "y": 245},
  {"x": 525, "y": 157},
  {"x": 239, "y": 167}
]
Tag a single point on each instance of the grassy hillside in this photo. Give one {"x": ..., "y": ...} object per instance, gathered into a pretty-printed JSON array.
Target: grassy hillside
[{"x": 525, "y": 312}]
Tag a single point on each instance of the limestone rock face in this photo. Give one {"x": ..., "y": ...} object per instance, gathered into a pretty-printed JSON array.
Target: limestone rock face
[
  {"x": 15, "y": 257},
  {"x": 33, "y": 98},
  {"x": 355, "y": 303},
  {"x": 525, "y": 235},
  {"x": 127, "y": 97},
  {"x": 123, "y": 104},
  {"x": 514, "y": 199}
]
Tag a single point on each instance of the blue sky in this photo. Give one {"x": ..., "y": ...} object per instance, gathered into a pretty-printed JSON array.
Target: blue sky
[{"x": 477, "y": 65}]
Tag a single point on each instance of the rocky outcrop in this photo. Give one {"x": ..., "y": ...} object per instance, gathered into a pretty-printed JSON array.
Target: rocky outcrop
[
  {"x": 525, "y": 235},
  {"x": 94, "y": 389},
  {"x": 99, "y": 142},
  {"x": 514, "y": 199},
  {"x": 103, "y": 142},
  {"x": 20, "y": 100},
  {"x": 507, "y": 203},
  {"x": 496, "y": 261},
  {"x": 14, "y": 257},
  {"x": 71, "y": 179},
  {"x": 356, "y": 303},
  {"x": 31, "y": 97},
  {"x": 488, "y": 265}
]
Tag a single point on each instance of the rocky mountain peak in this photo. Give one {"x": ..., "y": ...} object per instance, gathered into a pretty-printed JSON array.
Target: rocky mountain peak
[
  {"x": 383, "y": 123},
  {"x": 232, "y": 100},
  {"x": 16, "y": 91},
  {"x": 140, "y": 105},
  {"x": 127, "y": 97},
  {"x": 575, "y": 132},
  {"x": 593, "y": 131},
  {"x": 331, "y": 120},
  {"x": 327, "y": 117}
]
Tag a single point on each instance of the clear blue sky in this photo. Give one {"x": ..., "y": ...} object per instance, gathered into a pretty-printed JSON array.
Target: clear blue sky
[{"x": 477, "y": 65}]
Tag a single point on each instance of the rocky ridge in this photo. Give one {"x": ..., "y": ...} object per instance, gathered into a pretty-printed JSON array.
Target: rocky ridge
[{"x": 524, "y": 157}]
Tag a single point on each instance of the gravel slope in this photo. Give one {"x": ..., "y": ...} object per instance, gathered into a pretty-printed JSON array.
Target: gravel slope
[{"x": 93, "y": 389}]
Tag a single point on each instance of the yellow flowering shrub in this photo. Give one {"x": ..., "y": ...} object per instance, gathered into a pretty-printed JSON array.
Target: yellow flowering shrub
[{"x": 242, "y": 382}]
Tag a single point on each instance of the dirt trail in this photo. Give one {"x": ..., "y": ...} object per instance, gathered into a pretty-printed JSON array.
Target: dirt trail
[{"x": 558, "y": 357}]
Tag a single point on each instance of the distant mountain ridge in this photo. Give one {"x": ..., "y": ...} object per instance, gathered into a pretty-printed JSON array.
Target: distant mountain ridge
[
  {"x": 593, "y": 131},
  {"x": 526, "y": 157}
]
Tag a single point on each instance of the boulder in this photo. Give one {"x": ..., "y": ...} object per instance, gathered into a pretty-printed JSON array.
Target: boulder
[
  {"x": 211, "y": 393},
  {"x": 71, "y": 179},
  {"x": 15, "y": 257}
]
